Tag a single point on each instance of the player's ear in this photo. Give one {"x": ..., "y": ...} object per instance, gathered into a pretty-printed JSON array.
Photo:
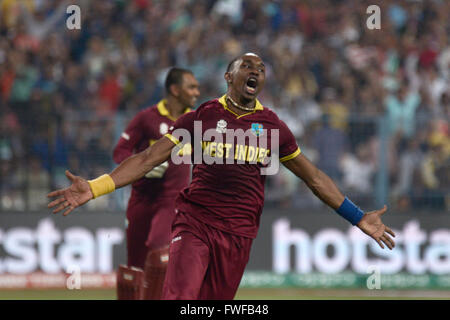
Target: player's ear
[
  {"x": 174, "y": 90},
  {"x": 228, "y": 77}
]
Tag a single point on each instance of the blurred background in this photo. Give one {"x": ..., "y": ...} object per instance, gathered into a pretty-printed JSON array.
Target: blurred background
[{"x": 371, "y": 108}]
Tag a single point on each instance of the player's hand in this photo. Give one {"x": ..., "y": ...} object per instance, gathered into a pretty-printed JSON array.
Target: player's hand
[
  {"x": 372, "y": 225},
  {"x": 159, "y": 171},
  {"x": 77, "y": 194}
]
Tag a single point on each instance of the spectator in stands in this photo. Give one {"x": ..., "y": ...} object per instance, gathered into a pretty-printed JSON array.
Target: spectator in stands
[
  {"x": 401, "y": 111},
  {"x": 38, "y": 182},
  {"x": 331, "y": 144},
  {"x": 358, "y": 171},
  {"x": 116, "y": 62}
]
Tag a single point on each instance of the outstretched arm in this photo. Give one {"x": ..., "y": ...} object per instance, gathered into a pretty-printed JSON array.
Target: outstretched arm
[
  {"x": 327, "y": 191},
  {"x": 130, "y": 170},
  {"x": 316, "y": 180},
  {"x": 136, "y": 166}
]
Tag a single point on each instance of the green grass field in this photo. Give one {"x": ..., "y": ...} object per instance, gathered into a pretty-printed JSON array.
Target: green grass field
[{"x": 243, "y": 294}]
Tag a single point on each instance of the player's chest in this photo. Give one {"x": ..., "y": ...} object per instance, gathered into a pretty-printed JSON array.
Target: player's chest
[
  {"x": 223, "y": 122},
  {"x": 155, "y": 129},
  {"x": 246, "y": 139}
]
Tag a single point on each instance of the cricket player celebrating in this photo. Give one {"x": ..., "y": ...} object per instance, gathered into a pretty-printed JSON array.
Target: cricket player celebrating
[
  {"x": 218, "y": 214},
  {"x": 150, "y": 210}
]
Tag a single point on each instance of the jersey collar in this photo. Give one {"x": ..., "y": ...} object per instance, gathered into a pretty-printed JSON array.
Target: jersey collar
[
  {"x": 223, "y": 102},
  {"x": 164, "y": 112}
]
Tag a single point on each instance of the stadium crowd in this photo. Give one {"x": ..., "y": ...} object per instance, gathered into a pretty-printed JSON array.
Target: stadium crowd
[{"x": 369, "y": 107}]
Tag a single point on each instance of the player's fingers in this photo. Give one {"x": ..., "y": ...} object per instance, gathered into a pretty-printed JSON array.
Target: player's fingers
[
  {"x": 379, "y": 243},
  {"x": 383, "y": 210},
  {"x": 70, "y": 176},
  {"x": 61, "y": 207},
  {"x": 387, "y": 242},
  {"x": 56, "y": 193},
  {"x": 57, "y": 209},
  {"x": 389, "y": 230},
  {"x": 391, "y": 241},
  {"x": 68, "y": 211},
  {"x": 56, "y": 202}
]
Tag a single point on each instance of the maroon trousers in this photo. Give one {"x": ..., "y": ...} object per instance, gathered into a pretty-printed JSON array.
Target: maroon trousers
[
  {"x": 204, "y": 262},
  {"x": 149, "y": 226}
]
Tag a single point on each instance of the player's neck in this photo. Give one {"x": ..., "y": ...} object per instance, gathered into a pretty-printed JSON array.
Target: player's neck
[
  {"x": 175, "y": 108},
  {"x": 239, "y": 106}
]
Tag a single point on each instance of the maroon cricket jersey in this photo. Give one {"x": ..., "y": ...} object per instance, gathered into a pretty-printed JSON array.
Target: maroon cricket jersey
[
  {"x": 148, "y": 126},
  {"x": 230, "y": 196}
]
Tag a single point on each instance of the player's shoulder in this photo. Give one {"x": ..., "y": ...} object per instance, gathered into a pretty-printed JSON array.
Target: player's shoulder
[
  {"x": 150, "y": 110},
  {"x": 206, "y": 106},
  {"x": 210, "y": 104},
  {"x": 271, "y": 118},
  {"x": 269, "y": 114},
  {"x": 268, "y": 111}
]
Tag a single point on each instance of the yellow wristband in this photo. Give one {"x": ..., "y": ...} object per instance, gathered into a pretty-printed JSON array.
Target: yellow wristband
[{"x": 102, "y": 185}]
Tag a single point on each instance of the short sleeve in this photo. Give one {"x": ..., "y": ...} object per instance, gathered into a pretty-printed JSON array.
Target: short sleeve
[
  {"x": 183, "y": 125},
  {"x": 129, "y": 139},
  {"x": 288, "y": 145}
]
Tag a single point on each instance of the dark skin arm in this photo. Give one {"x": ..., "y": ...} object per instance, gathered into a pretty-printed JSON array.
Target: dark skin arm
[
  {"x": 326, "y": 190},
  {"x": 130, "y": 170}
]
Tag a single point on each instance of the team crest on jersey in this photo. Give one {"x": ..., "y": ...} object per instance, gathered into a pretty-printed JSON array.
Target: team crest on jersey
[
  {"x": 257, "y": 129},
  {"x": 163, "y": 128},
  {"x": 221, "y": 126}
]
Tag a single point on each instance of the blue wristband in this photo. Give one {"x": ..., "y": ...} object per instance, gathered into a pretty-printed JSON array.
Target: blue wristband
[{"x": 350, "y": 211}]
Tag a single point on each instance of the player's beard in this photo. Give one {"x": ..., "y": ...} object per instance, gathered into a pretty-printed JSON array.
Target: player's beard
[{"x": 187, "y": 102}]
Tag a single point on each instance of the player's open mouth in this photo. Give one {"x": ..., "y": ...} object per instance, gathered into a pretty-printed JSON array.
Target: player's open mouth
[{"x": 251, "y": 85}]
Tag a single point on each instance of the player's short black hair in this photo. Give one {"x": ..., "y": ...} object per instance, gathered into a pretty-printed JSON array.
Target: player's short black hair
[{"x": 175, "y": 76}]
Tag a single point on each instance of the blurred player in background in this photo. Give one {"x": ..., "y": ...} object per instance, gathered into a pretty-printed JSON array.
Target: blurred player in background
[
  {"x": 150, "y": 208},
  {"x": 218, "y": 214}
]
